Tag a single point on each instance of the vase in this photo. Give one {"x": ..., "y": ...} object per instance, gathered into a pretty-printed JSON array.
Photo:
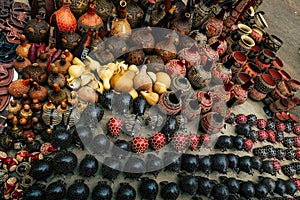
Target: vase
[
  {"x": 220, "y": 73},
  {"x": 78, "y": 7},
  {"x": 212, "y": 122},
  {"x": 257, "y": 34},
  {"x": 120, "y": 25},
  {"x": 190, "y": 55},
  {"x": 276, "y": 94},
  {"x": 143, "y": 38},
  {"x": 90, "y": 20},
  {"x": 240, "y": 60},
  {"x": 272, "y": 42},
  {"x": 253, "y": 53},
  {"x": 64, "y": 18},
  {"x": 275, "y": 74},
  {"x": 205, "y": 101},
  {"x": 241, "y": 78},
  {"x": 191, "y": 109},
  {"x": 36, "y": 30},
  {"x": 259, "y": 20},
  {"x": 166, "y": 49},
  {"x": 182, "y": 24},
  {"x": 135, "y": 14},
  {"x": 251, "y": 69},
  {"x": 176, "y": 67},
  {"x": 285, "y": 75},
  {"x": 200, "y": 76},
  {"x": 158, "y": 14},
  {"x": 242, "y": 29},
  {"x": 264, "y": 83},
  {"x": 245, "y": 44},
  {"x": 277, "y": 63},
  {"x": 240, "y": 92},
  {"x": 169, "y": 103},
  {"x": 104, "y": 8},
  {"x": 264, "y": 59},
  {"x": 183, "y": 86},
  {"x": 284, "y": 88},
  {"x": 256, "y": 95}
]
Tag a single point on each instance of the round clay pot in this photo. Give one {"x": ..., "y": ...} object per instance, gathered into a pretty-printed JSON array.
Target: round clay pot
[
  {"x": 253, "y": 53},
  {"x": 284, "y": 88},
  {"x": 246, "y": 43},
  {"x": 212, "y": 122},
  {"x": 241, "y": 30},
  {"x": 240, "y": 60},
  {"x": 205, "y": 101},
  {"x": 267, "y": 56},
  {"x": 275, "y": 74},
  {"x": 257, "y": 34},
  {"x": 169, "y": 103},
  {"x": 241, "y": 78},
  {"x": 294, "y": 84},
  {"x": 279, "y": 105},
  {"x": 272, "y": 42},
  {"x": 251, "y": 69},
  {"x": 277, "y": 63},
  {"x": 256, "y": 95},
  {"x": 285, "y": 75},
  {"x": 265, "y": 83}
]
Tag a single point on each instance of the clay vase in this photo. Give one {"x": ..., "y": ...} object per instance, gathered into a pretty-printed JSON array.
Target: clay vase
[
  {"x": 251, "y": 69},
  {"x": 181, "y": 24},
  {"x": 104, "y": 8},
  {"x": 56, "y": 77},
  {"x": 221, "y": 74},
  {"x": 191, "y": 109},
  {"x": 212, "y": 122},
  {"x": 36, "y": 30},
  {"x": 257, "y": 34},
  {"x": 142, "y": 80},
  {"x": 275, "y": 74},
  {"x": 123, "y": 81},
  {"x": 166, "y": 49},
  {"x": 264, "y": 59},
  {"x": 64, "y": 18},
  {"x": 23, "y": 48},
  {"x": 272, "y": 42},
  {"x": 162, "y": 82},
  {"x": 284, "y": 88},
  {"x": 158, "y": 14},
  {"x": 43, "y": 60},
  {"x": 190, "y": 55},
  {"x": 120, "y": 26},
  {"x": 20, "y": 63},
  {"x": 135, "y": 56},
  {"x": 78, "y": 7},
  {"x": 36, "y": 73},
  {"x": 277, "y": 63},
  {"x": 240, "y": 60},
  {"x": 264, "y": 83},
  {"x": 70, "y": 40},
  {"x": 213, "y": 27},
  {"x": 57, "y": 95},
  {"x": 253, "y": 53},
  {"x": 244, "y": 44},
  {"x": 38, "y": 92},
  {"x": 63, "y": 65},
  {"x": 135, "y": 14},
  {"x": 200, "y": 76},
  {"x": 182, "y": 85},
  {"x": 19, "y": 87},
  {"x": 240, "y": 92},
  {"x": 169, "y": 103},
  {"x": 90, "y": 20},
  {"x": 241, "y": 78},
  {"x": 176, "y": 67},
  {"x": 242, "y": 29},
  {"x": 279, "y": 105},
  {"x": 143, "y": 38},
  {"x": 205, "y": 100}
]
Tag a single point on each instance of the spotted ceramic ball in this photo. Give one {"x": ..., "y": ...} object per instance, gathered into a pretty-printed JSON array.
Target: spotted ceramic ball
[
  {"x": 251, "y": 119},
  {"x": 270, "y": 151},
  {"x": 262, "y": 135},
  {"x": 296, "y": 129},
  {"x": 288, "y": 170},
  {"x": 280, "y": 127},
  {"x": 158, "y": 140},
  {"x": 180, "y": 141},
  {"x": 253, "y": 135},
  {"x": 288, "y": 142},
  {"x": 296, "y": 142},
  {"x": 139, "y": 145},
  {"x": 241, "y": 119},
  {"x": 280, "y": 154},
  {"x": 114, "y": 126},
  {"x": 271, "y": 136},
  {"x": 230, "y": 118},
  {"x": 260, "y": 152},
  {"x": 297, "y": 154},
  {"x": 271, "y": 125},
  {"x": 277, "y": 166},
  {"x": 261, "y": 124},
  {"x": 288, "y": 127},
  {"x": 290, "y": 154},
  {"x": 279, "y": 136}
]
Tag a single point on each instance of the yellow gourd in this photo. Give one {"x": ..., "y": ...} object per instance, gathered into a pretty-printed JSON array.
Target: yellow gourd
[
  {"x": 105, "y": 74},
  {"x": 151, "y": 97}
]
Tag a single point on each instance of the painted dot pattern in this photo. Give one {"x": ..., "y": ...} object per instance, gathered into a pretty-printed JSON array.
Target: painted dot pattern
[
  {"x": 139, "y": 145},
  {"x": 158, "y": 141},
  {"x": 194, "y": 139},
  {"x": 114, "y": 126},
  {"x": 180, "y": 141}
]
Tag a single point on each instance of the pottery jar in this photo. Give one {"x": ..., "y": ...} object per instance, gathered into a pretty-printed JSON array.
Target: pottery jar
[
  {"x": 90, "y": 20},
  {"x": 78, "y": 7},
  {"x": 190, "y": 55},
  {"x": 64, "y": 18},
  {"x": 285, "y": 75},
  {"x": 142, "y": 80},
  {"x": 182, "y": 84},
  {"x": 240, "y": 92},
  {"x": 104, "y": 8},
  {"x": 284, "y": 88},
  {"x": 143, "y": 38},
  {"x": 205, "y": 101},
  {"x": 43, "y": 60},
  {"x": 240, "y": 60},
  {"x": 213, "y": 27},
  {"x": 200, "y": 76},
  {"x": 157, "y": 14},
  {"x": 38, "y": 92},
  {"x": 272, "y": 42},
  {"x": 176, "y": 67},
  {"x": 221, "y": 73},
  {"x": 251, "y": 69},
  {"x": 169, "y": 103},
  {"x": 182, "y": 24},
  {"x": 241, "y": 78},
  {"x": 242, "y": 29},
  {"x": 294, "y": 84},
  {"x": 212, "y": 122},
  {"x": 63, "y": 65},
  {"x": 279, "y": 105},
  {"x": 191, "y": 109},
  {"x": 57, "y": 95},
  {"x": 70, "y": 40},
  {"x": 264, "y": 59},
  {"x": 253, "y": 53},
  {"x": 166, "y": 49},
  {"x": 120, "y": 26},
  {"x": 36, "y": 30},
  {"x": 135, "y": 14},
  {"x": 257, "y": 34},
  {"x": 35, "y": 72},
  {"x": 277, "y": 63},
  {"x": 56, "y": 77},
  {"x": 256, "y": 95},
  {"x": 23, "y": 48},
  {"x": 20, "y": 63},
  {"x": 245, "y": 44},
  {"x": 264, "y": 83},
  {"x": 276, "y": 94},
  {"x": 135, "y": 56}
]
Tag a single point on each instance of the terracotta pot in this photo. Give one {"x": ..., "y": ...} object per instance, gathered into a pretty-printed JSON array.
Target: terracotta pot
[
  {"x": 251, "y": 69},
  {"x": 176, "y": 67},
  {"x": 253, "y": 53},
  {"x": 294, "y": 84},
  {"x": 205, "y": 101},
  {"x": 262, "y": 66},
  {"x": 241, "y": 78},
  {"x": 267, "y": 56},
  {"x": 275, "y": 74},
  {"x": 264, "y": 83},
  {"x": 212, "y": 122},
  {"x": 245, "y": 44},
  {"x": 285, "y": 75},
  {"x": 169, "y": 103},
  {"x": 221, "y": 74},
  {"x": 276, "y": 94},
  {"x": 256, "y": 95},
  {"x": 199, "y": 77},
  {"x": 240, "y": 60},
  {"x": 279, "y": 105},
  {"x": 240, "y": 92},
  {"x": 190, "y": 55},
  {"x": 90, "y": 20},
  {"x": 272, "y": 42},
  {"x": 257, "y": 34},
  {"x": 284, "y": 88},
  {"x": 242, "y": 29},
  {"x": 277, "y": 63}
]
